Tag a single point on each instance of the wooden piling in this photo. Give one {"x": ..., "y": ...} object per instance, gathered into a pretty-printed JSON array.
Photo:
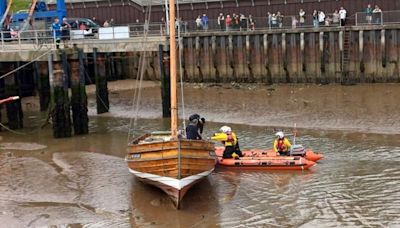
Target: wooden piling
[
  {"x": 275, "y": 60},
  {"x": 165, "y": 81},
  {"x": 198, "y": 73},
  {"x": 189, "y": 56},
  {"x": 266, "y": 60},
  {"x": 370, "y": 55},
  {"x": 102, "y": 101},
  {"x": 239, "y": 58},
  {"x": 43, "y": 84},
  {"x": 205, "y": 59},
  {"x": 79, "y": 97},
  {"x": 222, "y": 59},
  {"x": 392, "y": 53},
  {"x": 13, "y": 108},
  {"x": 59, "y": 83},
  {"x": 255, "y": 62}
]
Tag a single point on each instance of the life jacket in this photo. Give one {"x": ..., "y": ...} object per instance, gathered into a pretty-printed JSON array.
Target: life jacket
[
  {"x": 230, "y": 140},
  {"x": 281, "y": 145}
]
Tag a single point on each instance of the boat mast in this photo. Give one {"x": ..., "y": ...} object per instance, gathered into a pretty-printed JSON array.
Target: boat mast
[{"x": 172, "y": 49}]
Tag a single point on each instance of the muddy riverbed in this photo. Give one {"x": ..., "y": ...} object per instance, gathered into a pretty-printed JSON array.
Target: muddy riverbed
[{"x": 83, "y": 181}]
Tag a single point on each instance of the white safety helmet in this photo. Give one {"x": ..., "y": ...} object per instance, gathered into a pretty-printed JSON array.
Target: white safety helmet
[
  {"x": 225, "y": 129},
  {"x": 280, "y": 134}
]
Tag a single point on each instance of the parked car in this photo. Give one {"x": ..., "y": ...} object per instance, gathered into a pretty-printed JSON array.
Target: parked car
[{"x": 89, "y": 24}]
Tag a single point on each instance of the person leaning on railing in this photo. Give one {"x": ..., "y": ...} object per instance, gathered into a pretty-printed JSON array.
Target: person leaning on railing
[
  {"x": 56, "y": 30},
  {"x": 377, "y": 12}
]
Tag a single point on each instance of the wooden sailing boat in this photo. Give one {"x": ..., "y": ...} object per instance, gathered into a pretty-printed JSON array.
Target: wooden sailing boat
[{"x": 166, "y": 159}]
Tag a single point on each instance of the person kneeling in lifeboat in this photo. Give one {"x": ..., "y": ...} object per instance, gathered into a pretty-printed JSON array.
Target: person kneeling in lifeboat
[
  {"x": 281, "y": 144},
  {"x": 230, "y": 141}
]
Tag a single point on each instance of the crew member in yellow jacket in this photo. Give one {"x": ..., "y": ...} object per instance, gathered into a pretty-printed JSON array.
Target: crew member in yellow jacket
[
  {"x": 282, "y": 144},
  {"x": 230, "y": 141}
]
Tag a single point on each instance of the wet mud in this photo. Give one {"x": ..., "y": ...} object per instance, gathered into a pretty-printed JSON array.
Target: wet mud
[{"x": 372, "y": 108}]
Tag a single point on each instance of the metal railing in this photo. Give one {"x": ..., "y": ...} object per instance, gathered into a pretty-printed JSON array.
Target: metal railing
[
  {"x": 22, "y": 40},
  {"x": 36, "y": 39},
  {"x": 378, "y": 18}
]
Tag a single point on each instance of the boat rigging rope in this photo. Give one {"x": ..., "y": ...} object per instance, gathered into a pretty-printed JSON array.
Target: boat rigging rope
[
  {"x": 139, "y": 77},
  {"x": 49, "y": 108},
  {"x": 180, "y": 49},
  {"x": 26, "y": 64}
]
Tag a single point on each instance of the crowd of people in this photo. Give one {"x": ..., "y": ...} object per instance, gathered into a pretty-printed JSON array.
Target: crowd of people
[{"x": 317, "y": 18}]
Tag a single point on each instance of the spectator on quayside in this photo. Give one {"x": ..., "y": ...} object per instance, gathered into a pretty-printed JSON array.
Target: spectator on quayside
[
  {"x": 302, "y": 17},
  {"x": 335, "y": 18},
  {"x": 228, "y": 22},
  {"x": 204, "y": 20},
  {"x": 112, "y": 22},
  {"x": 221, "y": 22},
  {"x": 252, "y": 23},
  {"x": 368, "y": 14},
  {"x": 274, "y": 21},
  {"x": 279, "y": 17},
  {"x": 56, "y": 30},
  {"x": 199, "y": 23},
  {"x": 294, "y": 22},
  {"x": 328, "y": 21},
  {"x": 321, "y": 18},
  {"x": 342, "y": 16},
  {"x": 106, "y": 24},
  {"x": 243, "y": 22},
  {"x": 269, "y": 20},
  {"x": 66, "y": 28},
  {"x": 377, "y": 14},
  {"x": 315, "y": 19}
]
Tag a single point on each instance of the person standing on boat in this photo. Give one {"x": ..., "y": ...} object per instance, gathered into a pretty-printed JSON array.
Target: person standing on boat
[
  {"x": 200, "y": 123},
  {"x": 282, "y": 144},
  {"x": 192, "y": 130},
  {"x": 195, "y": 127},
  {"x": 230, "y": 141}
]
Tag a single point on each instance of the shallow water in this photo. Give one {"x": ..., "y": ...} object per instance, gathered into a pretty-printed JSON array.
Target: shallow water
[{"x": 83, "y": 181}]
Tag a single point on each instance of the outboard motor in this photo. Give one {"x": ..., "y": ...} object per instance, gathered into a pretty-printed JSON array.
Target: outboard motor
[{"x": 297, "y": 150}]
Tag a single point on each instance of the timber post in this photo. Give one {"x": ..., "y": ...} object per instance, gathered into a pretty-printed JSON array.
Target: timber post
[
  {"x": 102, "y": 101},
  {"x": 165, "y": 81},
  {"x": 79, "y": 97},
  {"x": 13, "y": 108},
  {"x": 59, "y": 89},
  {"x": 43, "y": 85}
]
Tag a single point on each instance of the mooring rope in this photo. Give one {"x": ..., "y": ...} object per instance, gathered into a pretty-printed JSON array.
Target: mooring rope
[
  {"x": 25, "y": 65},
  {"x": 48, "y": 109},
  {"x": 180, "y": 49},
  {"x": 139, "y": 77}
]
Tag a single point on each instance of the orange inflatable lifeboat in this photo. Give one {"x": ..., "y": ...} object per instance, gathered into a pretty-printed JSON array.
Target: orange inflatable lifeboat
[
  {"x": 263, "y": 160},
  {"x": 298, "y": 150}
]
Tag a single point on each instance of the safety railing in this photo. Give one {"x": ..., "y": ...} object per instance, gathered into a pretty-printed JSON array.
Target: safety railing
[
  {"x": 35, "y": 39},
  {"x": 378, "y": 18},
  {"x": 22, "y": 39}
]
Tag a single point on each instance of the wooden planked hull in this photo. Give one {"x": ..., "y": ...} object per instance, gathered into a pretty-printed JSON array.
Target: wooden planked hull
[{"x": 171, "y": 165}]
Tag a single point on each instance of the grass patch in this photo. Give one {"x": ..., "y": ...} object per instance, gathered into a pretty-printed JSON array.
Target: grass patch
[{"x": 19, "y": 5}]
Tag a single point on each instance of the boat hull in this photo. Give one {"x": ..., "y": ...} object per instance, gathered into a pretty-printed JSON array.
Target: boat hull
[
  {"x": 174, "y": 166},
  {"x": 174, "y": 188},
  {"x": 262, "y": 160}
]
